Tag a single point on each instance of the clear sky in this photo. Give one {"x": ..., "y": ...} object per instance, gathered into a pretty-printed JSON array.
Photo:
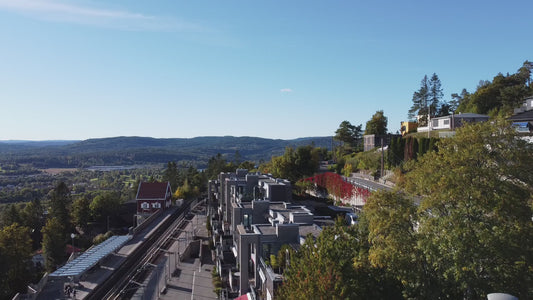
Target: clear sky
[{"x": 78, "y": 69}]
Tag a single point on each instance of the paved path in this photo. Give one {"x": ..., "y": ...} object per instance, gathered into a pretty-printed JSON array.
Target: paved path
[
  {"x": 372, "y": 185},
  {"x": 192, "y": 279},
  {"x": 192, "y": 282}
]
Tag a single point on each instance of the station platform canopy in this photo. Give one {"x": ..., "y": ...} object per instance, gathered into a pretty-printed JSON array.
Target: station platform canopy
[{"x": 91, "y": 257}]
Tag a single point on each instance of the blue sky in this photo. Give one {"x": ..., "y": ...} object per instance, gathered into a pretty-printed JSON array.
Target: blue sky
[{"x": 83, "y": 69}]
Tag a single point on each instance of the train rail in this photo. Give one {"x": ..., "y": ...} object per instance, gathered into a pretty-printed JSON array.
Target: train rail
[{"x": 123, "y": 283}]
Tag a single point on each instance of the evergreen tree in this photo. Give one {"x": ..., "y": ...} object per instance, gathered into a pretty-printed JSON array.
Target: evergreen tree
[
  {"x": 32, "y": 215},
  {"x": 60, "y": 202},
  {"x": 348, "y": 134},
  {"x": 171, "y": 174},
  {"x": 10, "y": 215},
  {"x": 435, "y": 95},
  {"x": 54, "y": 244},
  {"x": 459, "y": 100},
  {"x": 421, "y": 102}
]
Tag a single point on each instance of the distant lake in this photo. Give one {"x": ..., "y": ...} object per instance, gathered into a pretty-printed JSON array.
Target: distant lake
[{"x": 111, "y": 168}]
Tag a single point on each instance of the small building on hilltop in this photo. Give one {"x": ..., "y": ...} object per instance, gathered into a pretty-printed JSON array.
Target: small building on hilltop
[
  {"x": 408, "y": 127},
  {"x": 453, "y": 121},
  {"x": 152, "y": 196},
  {"x": 372, "y": 141},
  {"x": 523, "y": 117}
]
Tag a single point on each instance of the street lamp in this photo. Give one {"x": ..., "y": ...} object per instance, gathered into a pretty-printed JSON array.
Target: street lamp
[{"x": 72, "y": 236}]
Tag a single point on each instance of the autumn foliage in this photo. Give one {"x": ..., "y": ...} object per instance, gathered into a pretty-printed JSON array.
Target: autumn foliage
[{"x": 337, "y": 186}]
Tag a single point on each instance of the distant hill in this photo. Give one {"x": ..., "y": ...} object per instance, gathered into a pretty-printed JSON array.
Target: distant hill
[
  {"x": 17, "y": 145},
  {"x": 145, "y": 150},
  {"x": 39, "y": 143}
]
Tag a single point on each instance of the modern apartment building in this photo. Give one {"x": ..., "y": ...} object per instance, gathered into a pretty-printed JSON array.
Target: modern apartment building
[{"x": 252, "y": 218}]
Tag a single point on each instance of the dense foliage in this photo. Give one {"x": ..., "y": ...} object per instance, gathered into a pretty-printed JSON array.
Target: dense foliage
[
  {"x": 377, "y": 124},
  {"x": 500, "y": 95},
  {"x": 295, "y": 164},
  {"x": 15, "y": 259},
  {"x": 460, "y": 228},
  {"x": 350, "y": 137}
]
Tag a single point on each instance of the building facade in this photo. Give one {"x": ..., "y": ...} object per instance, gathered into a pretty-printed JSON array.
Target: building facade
[
  {"x": 153, "y": 196},
  {"x": 453, "y": 121},
  {"x": 372, "y": 141},
  {"x": 252, "y": 218}
]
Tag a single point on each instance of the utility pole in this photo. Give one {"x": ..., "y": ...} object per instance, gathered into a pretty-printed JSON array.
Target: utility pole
[
  {"x": 429, "y": 120},
  {"x": 382, "y": 154}
]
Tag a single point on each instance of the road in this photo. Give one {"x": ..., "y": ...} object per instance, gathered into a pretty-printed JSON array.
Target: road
[{"x": 368, "y": 184}]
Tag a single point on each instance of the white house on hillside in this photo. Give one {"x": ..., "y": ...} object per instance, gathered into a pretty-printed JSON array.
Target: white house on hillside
[{"x": 453, "y": 121}]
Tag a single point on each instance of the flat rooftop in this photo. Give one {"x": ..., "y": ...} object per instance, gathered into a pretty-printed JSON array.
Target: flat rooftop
[{"x": 304, "y": 229}]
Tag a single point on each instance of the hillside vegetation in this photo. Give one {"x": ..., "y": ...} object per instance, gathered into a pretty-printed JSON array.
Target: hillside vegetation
[{"x": 146, "y": 150}]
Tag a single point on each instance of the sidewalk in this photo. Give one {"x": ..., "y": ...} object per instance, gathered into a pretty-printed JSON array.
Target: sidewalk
[{"x": 192, "y": 277}]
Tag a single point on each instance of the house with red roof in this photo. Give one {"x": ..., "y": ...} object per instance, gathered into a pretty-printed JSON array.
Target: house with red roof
[{"x": 152, "y": 196}]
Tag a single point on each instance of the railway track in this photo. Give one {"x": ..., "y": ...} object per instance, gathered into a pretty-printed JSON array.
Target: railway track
[{"x": 123, "y": 283}]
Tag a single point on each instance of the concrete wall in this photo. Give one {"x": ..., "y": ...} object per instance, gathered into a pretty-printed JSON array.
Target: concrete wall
[
  {"x": 287, "y": 233},
  {"x": 301, "y": 218},
  {"x": 259, "y": 210},
  {"x": 245, "y": 240}
]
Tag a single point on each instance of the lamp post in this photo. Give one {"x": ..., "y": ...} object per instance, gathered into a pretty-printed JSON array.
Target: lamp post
[{"x": 72, "y": 236}]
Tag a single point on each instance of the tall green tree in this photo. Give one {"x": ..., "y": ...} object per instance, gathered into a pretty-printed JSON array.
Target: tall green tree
[
  {"x": 421, "y": 102},
  {"x": 81, "y": 212},
  {"x": 32, "y": 214},
  {"x": 33, "y": 218},
  {"x": 54, "y": 244},
  {"x": 218, "y": 164},
  {"x": 294, "y": 164},
  {"x": 104, "y": 205},
  {"x": 435, "y": 95},
  {"x": 322, "y": 269},
  {"x": 15, "y": 260},
  {"x": 391, "y": 219},
  {"x": 377, "y": 124},
  {"x": 475, "y": 215},
  {"x": 60, "y": 202},
  {"x": 171, "y": 175},
  {"x": 11, "y": 214},
  {"x": 350, "y": 137}
]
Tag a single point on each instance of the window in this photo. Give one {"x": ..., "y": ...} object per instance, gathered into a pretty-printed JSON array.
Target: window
[
  {"x": 247, "y": 222},
  {"x": 156, "y": 205},
  {"x": 266, "y": 251},
  {"x": 145, "y": 205},
  {"x": 435, "y": 123},
  {"x": 447, "y": 122}
]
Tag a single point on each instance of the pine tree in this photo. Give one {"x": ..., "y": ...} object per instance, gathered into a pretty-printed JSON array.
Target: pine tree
[
  {"x": 420, "y": 102},
  {"x": 60, "y": 202},
  {"x": 435, "y": 95}
]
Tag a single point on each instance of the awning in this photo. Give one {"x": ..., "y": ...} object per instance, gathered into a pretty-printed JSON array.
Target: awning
[
  {"x": 242, "y": 297},
  {"x": 521, "y": 124}
]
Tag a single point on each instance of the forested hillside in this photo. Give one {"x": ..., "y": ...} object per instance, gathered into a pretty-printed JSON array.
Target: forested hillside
[{"x": 146, "y": 150}]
